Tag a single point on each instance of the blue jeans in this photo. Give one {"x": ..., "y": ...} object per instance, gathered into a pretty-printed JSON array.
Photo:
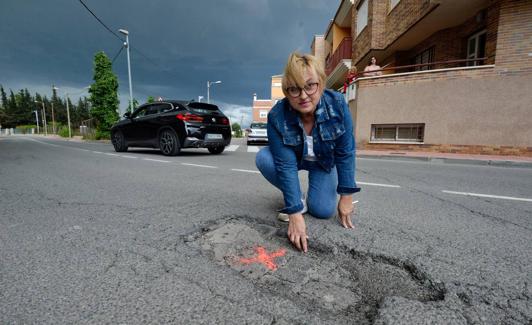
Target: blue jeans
[{"x": 321, "y": 194}]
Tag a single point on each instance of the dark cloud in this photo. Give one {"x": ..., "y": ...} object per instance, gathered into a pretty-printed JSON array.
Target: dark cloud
[{"x": 177, "y": 45}]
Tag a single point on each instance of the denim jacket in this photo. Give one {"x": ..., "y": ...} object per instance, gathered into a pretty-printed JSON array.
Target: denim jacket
[{"x": 334, "y": 145}]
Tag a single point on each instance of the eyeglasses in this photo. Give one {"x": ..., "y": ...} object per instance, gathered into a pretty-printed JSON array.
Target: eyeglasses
[{"x": 310, "y": 89}]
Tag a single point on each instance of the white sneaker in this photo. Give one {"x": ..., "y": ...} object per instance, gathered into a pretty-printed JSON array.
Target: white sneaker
[{"x": 284, "y": 216}]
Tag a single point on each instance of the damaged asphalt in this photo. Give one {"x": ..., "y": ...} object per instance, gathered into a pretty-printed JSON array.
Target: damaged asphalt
[{"x": 98, "y": 239}]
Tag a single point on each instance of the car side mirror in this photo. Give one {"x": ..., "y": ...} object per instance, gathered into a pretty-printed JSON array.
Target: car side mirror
[{"x": 127, "y": 114}]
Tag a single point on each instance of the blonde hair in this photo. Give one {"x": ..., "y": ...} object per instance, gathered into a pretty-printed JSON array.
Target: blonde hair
[{"x": 295, "y": 68}]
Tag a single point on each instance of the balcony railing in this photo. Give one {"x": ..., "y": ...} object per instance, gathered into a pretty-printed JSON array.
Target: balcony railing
[
  {"x": 421, "y": 67},
  {"x": 342, "y": 52},
  {"x": 350, "y": 87}
]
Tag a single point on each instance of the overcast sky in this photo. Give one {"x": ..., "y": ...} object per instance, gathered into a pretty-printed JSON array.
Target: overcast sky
[{"x": 176, "y": 45}]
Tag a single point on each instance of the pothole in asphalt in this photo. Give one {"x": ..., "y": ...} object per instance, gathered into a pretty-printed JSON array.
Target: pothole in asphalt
[{"x": 330, "y": 282}]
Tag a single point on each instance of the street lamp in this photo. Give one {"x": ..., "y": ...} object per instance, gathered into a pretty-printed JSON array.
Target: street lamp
[
  {"x": 126, "y": 44},
  {"x": 43, "y": 117},
  {"x": 209, "y": 83},
  {"x": 37, "y": 118},
  {"x": 200, "y": 98},
  {"x": 52, "y": 101},
  {"x": 68, "y": 109}
]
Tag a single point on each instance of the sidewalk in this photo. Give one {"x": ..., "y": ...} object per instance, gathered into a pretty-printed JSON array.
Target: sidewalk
[{"x": 438, "y": 157}]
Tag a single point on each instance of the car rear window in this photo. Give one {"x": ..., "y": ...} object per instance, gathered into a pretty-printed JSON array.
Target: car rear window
[
  {"x": 203, "y": 108},
  {"x": 258, "y": 125}
]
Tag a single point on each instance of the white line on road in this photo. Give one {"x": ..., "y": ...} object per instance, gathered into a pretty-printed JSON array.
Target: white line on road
[
  {"x": 377, "y": 184},
  {"x": 246, "y": 171},
  {"x": 157, "y": 160},
  {"x": 195, "y": 165},
  {"x": 97, "y": 152},
  {"x": 112, "y": 154},
  {"x": 490, "y": 196},
  {"x": 126, "y": 156},
  {"x": 232, "y": 147},
  {"x": 253, "y": 149}
]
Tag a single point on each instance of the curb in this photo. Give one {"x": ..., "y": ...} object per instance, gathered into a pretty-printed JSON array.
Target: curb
[{"x": 461, "y": 161}]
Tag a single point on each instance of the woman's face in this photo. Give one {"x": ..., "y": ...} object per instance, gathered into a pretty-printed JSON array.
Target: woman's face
[
  {"x": 373, "y": 60},
  {"x": 306, "y": 103}
]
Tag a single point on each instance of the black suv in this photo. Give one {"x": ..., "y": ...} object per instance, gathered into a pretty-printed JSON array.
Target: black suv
[{"x": 172, "y": 125}]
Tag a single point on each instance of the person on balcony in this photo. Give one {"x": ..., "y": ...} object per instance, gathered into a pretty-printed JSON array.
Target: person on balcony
[
  {"x": 310, "y": 129},
  {"x": 371, "y": 68},
  {"x": 351, "y": 76}
]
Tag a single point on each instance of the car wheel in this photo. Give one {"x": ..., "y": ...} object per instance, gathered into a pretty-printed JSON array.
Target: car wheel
[
  {"x": 169, "y": 143},
  {"x": 216, "y": 150},
  {"x": 119, "y": 142}
]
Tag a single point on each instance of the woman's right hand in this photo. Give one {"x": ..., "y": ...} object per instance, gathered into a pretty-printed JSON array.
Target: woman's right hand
[{"x": 297, "y": 231}]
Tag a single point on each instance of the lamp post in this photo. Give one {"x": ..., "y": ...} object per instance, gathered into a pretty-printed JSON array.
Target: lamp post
[
  {"x": 53, "y": 117},
  {"x": 68, "y": 108},
  {"x": 37, "y": 118},
  {"x": 43, "y": 117},
  {"x": 209, "y": 83},
  {"x": 200, "y": 98},
  {"x": 126, "y": 44}
]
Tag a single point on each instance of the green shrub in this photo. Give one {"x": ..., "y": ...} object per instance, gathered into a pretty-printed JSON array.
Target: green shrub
[
  {"x": 63, "y": 131},
  {"x": 103, "y": 135}
]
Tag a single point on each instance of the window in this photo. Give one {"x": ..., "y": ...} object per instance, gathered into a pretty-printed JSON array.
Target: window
[
  {"x": 153, "y": 109},
  {"x": 263, "y": 114},
  {"x": 362, "y": 16},
  {"x": 393, "y": 3},
  {"x": 165, "y": 108},
  {"x": 476, "y": 48},
  {"x": 426, "y": 56},
  {"x": 398, "y": 132},
  {"x": 140, "y": 112}
]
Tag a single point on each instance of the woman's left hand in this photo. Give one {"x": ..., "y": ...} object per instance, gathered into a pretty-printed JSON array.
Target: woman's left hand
[{"x": 345, "y": 209}]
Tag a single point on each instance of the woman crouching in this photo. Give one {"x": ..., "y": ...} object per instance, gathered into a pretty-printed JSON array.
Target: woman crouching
[{"x": 310, "y": 129}]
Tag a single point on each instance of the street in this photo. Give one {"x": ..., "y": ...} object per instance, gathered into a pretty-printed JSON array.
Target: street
[{"x": 88, "y": 235}]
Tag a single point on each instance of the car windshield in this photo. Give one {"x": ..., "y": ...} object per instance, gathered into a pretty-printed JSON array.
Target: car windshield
[
  {"x": 258, "y": 125},
  {"x": 203, "y": 108}
]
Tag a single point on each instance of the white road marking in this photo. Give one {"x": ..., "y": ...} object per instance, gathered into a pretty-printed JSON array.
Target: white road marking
[
  {"x": 157, "y": 160},
  {"x": 46, "y": 143},
  {"x": 112, "y": 154},
  {"x": 253, "y": 149},
  {"x": 377, "y": 184},
  {"x": 97, "y": 152},
  {"x": 246, "y": 171},
  {"x": 195, "y": 165},
  {"x": 490, "y": 196},
  {"x": 126, "y": 156},
  {"x": 232, "y": 147}
]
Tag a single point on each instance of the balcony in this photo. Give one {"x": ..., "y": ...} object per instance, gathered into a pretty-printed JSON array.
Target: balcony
[{"x": 343, "y": 52}]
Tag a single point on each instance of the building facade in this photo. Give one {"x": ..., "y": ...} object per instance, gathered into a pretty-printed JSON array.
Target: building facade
[
  {"x": 456, "y": 79},
  {"x": 261, "y": 107}
]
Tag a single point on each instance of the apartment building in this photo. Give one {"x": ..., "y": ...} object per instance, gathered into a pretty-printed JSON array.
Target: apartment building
[
  {"x": 457, "y": 73},
  {"x": 261, "y": 107}
]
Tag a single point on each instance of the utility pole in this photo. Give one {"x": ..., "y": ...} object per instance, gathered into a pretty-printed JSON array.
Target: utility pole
[
  {"x": 37, "y": 118},
  {"x": 43, "y": 116},
  {"x": 126, "y": 44},
  {"x": 54, "y": 88}
]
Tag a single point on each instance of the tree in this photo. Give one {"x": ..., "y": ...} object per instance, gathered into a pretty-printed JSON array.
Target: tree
[
  {"x": 237, "y": 129},
  {"x": 60, "y": 114},
  {"x": 3, "y": 104},
  {"x": 150, "y": 99},
  {"x": 11, "y": 111},
  {"x": 135, "y": 105},
  {"x": 104, "y": 95}
]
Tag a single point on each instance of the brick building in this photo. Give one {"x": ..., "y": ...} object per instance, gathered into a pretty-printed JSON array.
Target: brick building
[
  {"x": 457, "y": 76},
  {"x": 261, "y": 107}
]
